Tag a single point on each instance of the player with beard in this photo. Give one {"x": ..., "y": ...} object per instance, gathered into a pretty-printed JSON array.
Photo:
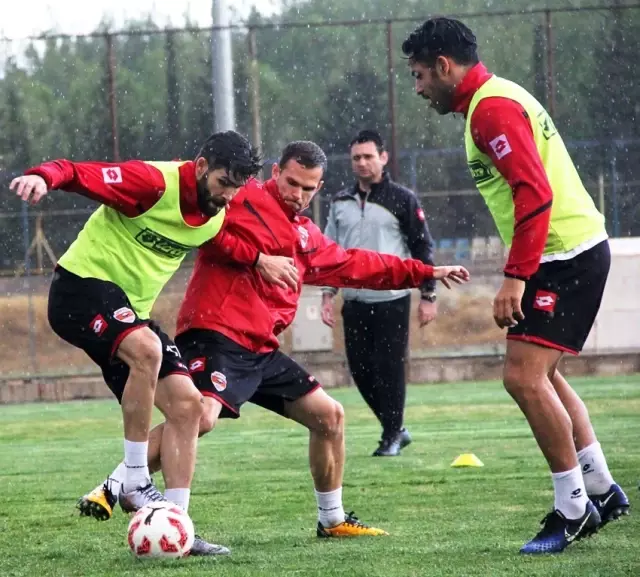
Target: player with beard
[
  {"x": 554, "y": 277},
  {"x": 233, "y": 351},
  {"x": 105, "y": 285}
]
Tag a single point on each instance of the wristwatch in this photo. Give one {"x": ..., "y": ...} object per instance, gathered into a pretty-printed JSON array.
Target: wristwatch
[{"x": 429, "y": 297}]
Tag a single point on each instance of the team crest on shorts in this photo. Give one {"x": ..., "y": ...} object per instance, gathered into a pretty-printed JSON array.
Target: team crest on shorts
[
  {"x": 124, "y": 315},
  {"x": 219, "y": 381}
]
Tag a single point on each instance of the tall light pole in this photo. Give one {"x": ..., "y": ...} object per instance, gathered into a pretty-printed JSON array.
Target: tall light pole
[{"x": 222, "y": 68}]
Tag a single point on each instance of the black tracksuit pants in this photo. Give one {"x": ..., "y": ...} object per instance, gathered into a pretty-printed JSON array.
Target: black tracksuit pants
[{"x": 376, "y": 337}]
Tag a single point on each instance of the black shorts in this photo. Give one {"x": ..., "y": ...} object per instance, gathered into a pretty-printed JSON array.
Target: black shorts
[
  {"x": 95, "y": 316},
  {"x": 562, "y": 299},
  {"x": 233, "y": 375}
]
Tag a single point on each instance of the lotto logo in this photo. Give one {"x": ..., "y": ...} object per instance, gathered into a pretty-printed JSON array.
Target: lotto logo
[
  {"x": 196, "y": 365},
  {"x": 545, "y": 301},
  {"x": 500, "y": 146},
  {"x": 112, "y": 175},
  {"x": 98, "y": 325}
]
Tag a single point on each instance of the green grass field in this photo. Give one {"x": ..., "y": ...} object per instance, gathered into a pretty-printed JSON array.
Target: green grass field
[{"x": 253, "y": 491}]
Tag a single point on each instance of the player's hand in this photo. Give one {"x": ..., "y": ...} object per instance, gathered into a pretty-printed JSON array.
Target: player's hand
[
  {"x": 427, "y": 312},
  {"x": 447, "y": 274},
  {"x": 507, "y": 306},
  {"x": 278, "y": 270},
  {"x": 326, "y": 312},
  {"x": 30, "y": 188}
]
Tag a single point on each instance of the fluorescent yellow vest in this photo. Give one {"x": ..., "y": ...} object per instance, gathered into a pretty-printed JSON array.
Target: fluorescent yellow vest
[
  {"x": 139, "y": 254},
  {"x": 574, "y": 217}
]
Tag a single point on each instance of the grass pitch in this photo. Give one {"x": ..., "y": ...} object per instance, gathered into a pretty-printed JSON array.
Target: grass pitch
[{"x": 253, "y": 491}]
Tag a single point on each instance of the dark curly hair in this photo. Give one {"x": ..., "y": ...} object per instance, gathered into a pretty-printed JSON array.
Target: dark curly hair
[
  {"x": 232, "y": 151},
  {"x": 304, "y": 152},
  {"x": 441, "y": 37},
  {"x": 368, "y": 135}
]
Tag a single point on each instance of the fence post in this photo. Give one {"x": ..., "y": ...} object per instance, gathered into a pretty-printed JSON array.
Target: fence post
[
  {"x": 113, "y": 105},
  {"x": 26, "y": 283},
  {"x": 254, "y": 90},
  {"x": 392, "y": 102},
  {"x": 174, "y": 132},
  {"x": 601, "y": 205},
  {"x": 551, "y": 82},
  {"x": 614, "y": 191},
  {"x": 413, "y": 171}
]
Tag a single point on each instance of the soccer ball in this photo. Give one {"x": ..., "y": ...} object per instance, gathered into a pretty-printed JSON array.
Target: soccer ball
[{"x": 160, "y": 530}]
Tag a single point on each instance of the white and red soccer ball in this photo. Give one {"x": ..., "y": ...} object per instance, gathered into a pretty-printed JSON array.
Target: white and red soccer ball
[{"x": 160, "y": 530}]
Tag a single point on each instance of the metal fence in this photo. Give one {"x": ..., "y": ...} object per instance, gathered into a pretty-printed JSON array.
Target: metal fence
[{"x": 146, "y": 93}]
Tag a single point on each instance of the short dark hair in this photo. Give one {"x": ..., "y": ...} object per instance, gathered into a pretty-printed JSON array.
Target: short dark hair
[
  {"x": 368, "y": 135},
  {"x": 232, "y": 151},
  {"x": 441, "y": 37},
  {"x": 304, "y": 152}
]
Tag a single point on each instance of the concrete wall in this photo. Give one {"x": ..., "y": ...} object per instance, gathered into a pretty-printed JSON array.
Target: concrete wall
[
  {"x": 617, "y": 326},
  {"x": 330, "y": 369},
  {"x": 613, "y": 347}
]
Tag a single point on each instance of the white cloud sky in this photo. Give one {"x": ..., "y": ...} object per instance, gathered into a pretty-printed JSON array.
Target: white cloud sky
[{"x": 32, "y": 17}]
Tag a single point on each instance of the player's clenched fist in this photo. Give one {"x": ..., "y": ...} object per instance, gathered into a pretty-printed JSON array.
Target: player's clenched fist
[
  {"x": 30, "y": 188},
  {"x": 447, "y": 274}
]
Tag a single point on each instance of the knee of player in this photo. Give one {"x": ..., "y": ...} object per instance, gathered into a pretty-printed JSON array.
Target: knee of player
[
  {"x": 521, "y": 381},
  {"x": 332, "y": 421},
  {"x": 188, "y": 409},
  {"x": 512, "y": 377},
  {"x": 208, "y": 419},
  {"x": 142, "y": 351}
]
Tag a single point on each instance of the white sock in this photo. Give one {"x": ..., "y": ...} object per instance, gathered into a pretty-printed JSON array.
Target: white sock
[
  {"x": 597, "y": 478},
  {"x": 570, "y": 493},
  {"x": 330, "y": 510},
  {"x": 135, "y": 459},
  {"x": 115, "y": 480},
  {"x": 178, "y": 496}
]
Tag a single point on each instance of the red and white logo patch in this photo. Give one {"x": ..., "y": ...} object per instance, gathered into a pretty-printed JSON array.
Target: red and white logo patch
[
  {"x": 219, "y": 381},
  {"x": 112, "y": 175},
  {"x": 98, "y": 325},
  {"x": 125, "y": 315},
  {"x": 420, "y": 214},
  {"x": 197, "y": 365},
  {"x": 304, "y": 236},
  {"x": 545, "y": 301},
  {"x": 500, "y": 146}
]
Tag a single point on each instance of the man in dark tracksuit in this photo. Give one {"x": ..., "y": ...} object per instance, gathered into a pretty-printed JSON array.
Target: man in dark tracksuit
[{"x": 379, "y": 214}]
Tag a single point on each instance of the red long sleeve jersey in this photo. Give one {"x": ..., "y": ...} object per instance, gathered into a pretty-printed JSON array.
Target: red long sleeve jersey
[
  {"x": 235, "y": 301},
  {"x": 132, "y": 188},
  {"x": 522, "y": 167}
]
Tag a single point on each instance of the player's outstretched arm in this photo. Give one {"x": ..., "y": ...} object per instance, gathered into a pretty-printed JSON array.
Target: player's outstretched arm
[
  {"x": 129, "y": 187},
  {"x": 330, "y": 264},
  {"x": 30, "y": 188},
  {"x": 230, "y": 246},
  {"x": 451, "y": 274}
]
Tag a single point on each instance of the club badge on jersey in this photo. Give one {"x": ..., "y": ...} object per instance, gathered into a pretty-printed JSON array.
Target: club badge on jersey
[{"x": 304, "y": 236}]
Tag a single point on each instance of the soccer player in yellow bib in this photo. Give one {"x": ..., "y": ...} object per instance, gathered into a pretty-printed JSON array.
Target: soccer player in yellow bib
[
  {"x": 104, "y": 287},
  {"x": 556, "y": 271}
]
